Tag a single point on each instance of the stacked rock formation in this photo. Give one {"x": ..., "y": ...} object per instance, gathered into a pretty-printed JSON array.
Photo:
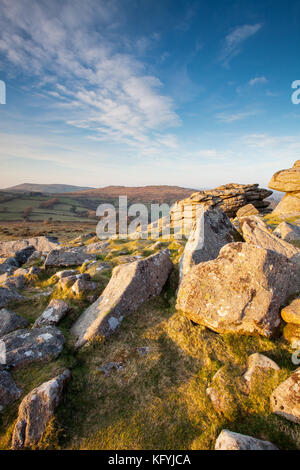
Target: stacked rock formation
[
  {"x": 230, "y": 198},
  {"x": 287, "y": 181}
]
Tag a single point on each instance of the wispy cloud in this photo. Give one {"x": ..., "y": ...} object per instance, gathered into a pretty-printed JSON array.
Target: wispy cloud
[
  {"x": 257, "y": 80},
  {"x": 234, "y": 40},
  {"x": 90, "y": 68},
  {"x": 236, "y": 116}
]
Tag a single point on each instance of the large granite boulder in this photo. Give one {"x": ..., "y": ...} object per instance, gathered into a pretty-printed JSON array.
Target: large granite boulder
[
  {"x": 22, "y": 347},
  {"x": 9, "y": 392},
  {"x": 212, "y": 231},
  {"x": 240, "y": 291},
  {"x": 43, "y": 244},
  {"x": 288, "y": 232},
  {"x": 10, "y": 321},
  {"x": 54, "y": 313},
  {"x": 285, "y": 400},
  {"x": 287, "y": 181},
  {"x": 228, "y": 440},
  {"x": 8, "y": 295},
  {"x": 130, "y": 285},
  {"x": 36, "y": 410},
  {"x": 256, "y": 232}
]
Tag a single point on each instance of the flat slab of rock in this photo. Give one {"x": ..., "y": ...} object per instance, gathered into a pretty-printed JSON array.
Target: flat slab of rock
[
  {"x": 288, "y": 232},
  {"x": 10, "y": 321},
  {"x": 258, "y": 361},
  {"x": 256, "y": 232},
  {"x": 212, "y": 231},
  {"x": 25, "y": 346},
  {"x": 228, "y": 440},
  {"x": 130, "y": 286},
  {"x": 248, "y": 209},
  {"x": 43, "y": 244},
  {"x": 291, "y": 313},
  {"x": 9, "y": 295},
  {"x": 9, "y": 392},
  {"x": 241, "y": 291},
  {"x": 54, "y": 313},
  {"x": 36, "y": 410},
  {"x": 68, "y": 257},
  {"x": 285, "y": 400}
]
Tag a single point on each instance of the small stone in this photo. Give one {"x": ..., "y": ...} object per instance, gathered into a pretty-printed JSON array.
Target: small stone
[
  {"x": 107, "y": 368},
  {"x": 258, "y": 361},
  {"x": 291, "y": 313},
  {"x": 228, "y": 440},
  {"x": 54, "y": 313}
]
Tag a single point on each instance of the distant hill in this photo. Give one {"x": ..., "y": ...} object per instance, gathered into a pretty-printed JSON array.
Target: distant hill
[
  {"x": 46, "y": 188},
  {"x": 158, "y": 194}
]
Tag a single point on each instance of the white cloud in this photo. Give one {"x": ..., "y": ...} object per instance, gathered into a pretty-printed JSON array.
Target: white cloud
[
  {"x": 233, "y": 41},
  {"x": 237, "y": 116},
  {"x": 257, "y": 80},
  {"x": 111, "y": 89}
]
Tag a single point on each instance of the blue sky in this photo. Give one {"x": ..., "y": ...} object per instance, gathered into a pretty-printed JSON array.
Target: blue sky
[{"x": 136, "y": 92}]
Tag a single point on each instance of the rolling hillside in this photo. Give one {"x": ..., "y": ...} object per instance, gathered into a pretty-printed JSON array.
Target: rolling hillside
[{"x": 46, "y": 188}]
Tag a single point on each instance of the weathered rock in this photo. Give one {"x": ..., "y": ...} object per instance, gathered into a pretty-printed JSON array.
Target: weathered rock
[
  {"x": 54, "y": 313},
  {"x": 14, "y": 282},
  {"x": 82, "y": 286},
  {"x": 66, "y": 273},
  {"x": 68, "y": 281},
  {"x": 230, "y": 198},
  {"x": 291, "y": 333},
  {"x": 286, "y": 180},
  {"x": 8, "y": 265},
  {"x": 25, "y": 346},
  {"x": 291, "y": 313},
  {"x": 36, "y": 255},
  {"x": 241, "y": 291},
  {"x": 248, "y": 209},
  {"x": 288, "y": 232},
  {"x": 285, "y": 400},
  {"x": 10, "y": 321},
  {"x": 9, "y": 392},
  {"x": 256, "y": 232},
  {"x": 228, "y": 440},
  {"x": 212, "y": 231},
  {"x": 23, "y": 255},
  {"x": 130, "y": 286},
  {"x": 258, "y": 361},
  {"x": 8, "y": 295},
  {"x": 36, "y": 410},
  {"x": 35, "y": 271},
  {"x": 288, "y": 206},
  {"x": 107, "y": 368},
  {"x": 43, "y": 244},
  {"x": 68, "y": 257}
]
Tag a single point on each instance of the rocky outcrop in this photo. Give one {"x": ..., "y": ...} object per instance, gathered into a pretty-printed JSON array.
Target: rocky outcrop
[
  {"x": 130, "y": 286},
  {"x": 248, "y": 209},
  {"x": 8, "y": 295},
  {"x": 43, "y": 244},
  {"x": 241, "y": 291},
  {"x": 285, "y": 400},
  {"x": 256, "y": 232},
  {"x": 25, "y": 346},
  {"x": 54, "y": 313},
  {"x": 288, "y": 232},
  {"x": 10, "y": 321},
  {"x": 228, "y": 440},
  {"x": 36, "y": 410},
  {"x": 212, "y": 231},
  {"x": 230, "y": 198},
  {"x": 9, "y": 392},
  {"x": 258, "y": 361},
  {"x": 287, "y": 181}
]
